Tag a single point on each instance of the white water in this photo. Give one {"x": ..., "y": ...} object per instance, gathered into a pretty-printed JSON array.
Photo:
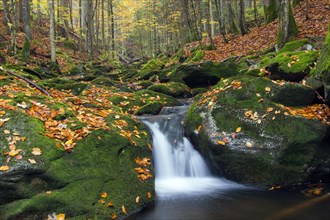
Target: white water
[{"x": 180, "y": 169}]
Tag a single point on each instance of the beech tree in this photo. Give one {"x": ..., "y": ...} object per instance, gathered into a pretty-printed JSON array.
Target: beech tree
[{"x": 287, "y": 25}]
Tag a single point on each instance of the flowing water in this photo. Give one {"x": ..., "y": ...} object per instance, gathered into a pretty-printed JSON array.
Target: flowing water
[{"x": 186, "y": 189}]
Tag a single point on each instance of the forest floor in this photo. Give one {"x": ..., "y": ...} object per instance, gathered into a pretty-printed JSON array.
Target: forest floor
[
  {"x": 257, "y": 39},
  {"x": 264, "y": 37}
]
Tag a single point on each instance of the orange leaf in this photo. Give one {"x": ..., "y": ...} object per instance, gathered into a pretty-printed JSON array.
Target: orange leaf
[
  {"x": 60, "y": 216},
  {"x": 110, "y": 204},
  {"x": 124, "y": 209},
  {"x": 113, "y": 216},
  {"x": 4, "y": 168},
  {"x": 104, "y": 195},
  {"x": 149, "y": 195}
]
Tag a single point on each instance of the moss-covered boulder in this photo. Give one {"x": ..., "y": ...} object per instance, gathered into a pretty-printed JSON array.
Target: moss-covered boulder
[
  {"x": 174, "y": 89},
  {"x": 104, "y": 81},
  {"x": 131, "y": 102},
  {"x": 292, "y": 66},
  {"x": 64, "y": 84},
  {"x": 243, "y": 128},
  {"x": 80, "y": 156},
  {"x": 323, "y": 68},
  {"x": 152, "y": 108},
  {"x": 204, "y": 74}
]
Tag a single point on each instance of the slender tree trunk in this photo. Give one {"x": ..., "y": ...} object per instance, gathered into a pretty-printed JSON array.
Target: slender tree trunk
[
  {"x": 52, "y": 31},
  {"x": 27, "y": 31},
  {"x": 241, "y": 18},
  {"x": 102, "y": 23},
  {"x": 221, "y": 19},
  {"x": 208, "y": 24},
  {"x": 270, "y": 10},
  {"x": 255, "y": 9},
  {"x": 231, "y": 20},
  {"x": 13, "y": 9},
  {"x": 7, "y": 20},
  {"x": 307, "y": 9},
  {"x": 287, "y": 24}
]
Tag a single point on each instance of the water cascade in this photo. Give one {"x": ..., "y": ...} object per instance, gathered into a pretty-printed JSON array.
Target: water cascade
[{"x": 180, "y": 169}]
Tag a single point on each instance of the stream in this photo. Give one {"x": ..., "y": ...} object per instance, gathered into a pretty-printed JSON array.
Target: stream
[{"x": 186, "y": 189}]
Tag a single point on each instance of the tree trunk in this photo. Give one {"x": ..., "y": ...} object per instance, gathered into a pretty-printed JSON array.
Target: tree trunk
[
  {"x": 27, "y": 31},
  {"x": 7, "y": 20},
  {"x": 287, "y": 24},
  {"x": 52, "y": 31},
  {"x": 270, "y": 10},
  {"x": 221, "y": 19},
  {"x": 208, "y": 24},
  {"x": 241, "y": 18},
  {"x": 231, "y": 20}
]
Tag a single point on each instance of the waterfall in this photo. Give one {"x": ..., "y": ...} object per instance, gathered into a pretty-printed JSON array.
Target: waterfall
[{"x": 179, "y": 168}]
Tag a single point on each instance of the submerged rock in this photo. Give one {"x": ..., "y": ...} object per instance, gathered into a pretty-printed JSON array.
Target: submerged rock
[{"x": 243, "y": 128}]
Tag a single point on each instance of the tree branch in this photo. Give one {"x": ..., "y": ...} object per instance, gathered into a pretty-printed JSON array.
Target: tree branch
[{"x": 26, "y": 80}]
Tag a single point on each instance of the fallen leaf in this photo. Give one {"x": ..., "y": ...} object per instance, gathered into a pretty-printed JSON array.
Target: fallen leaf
[
  {"x": 199, "y": 129},
  {"x": 123, "y": 208},
  {"x": 101, "y": 201},
  {"x": 149, "y": 195},
  {"x": 270, "y": 109},
  {"x": 110, "y": 204},
  {"x": 137, "y": 200},
  {"x": 233, "y": 135},
  {"x": 6, "y": 131},
  {"x": 32, "y": 161},
  {"x": 60, "y": 216},
  {"x": 238, "y": 129},
  {"x": 104, "y": 195},
  {"x": 113, "y": 216},
  {"x": 221, "y": 142},
  {"x": 149, "y": 146},
  {"x": 4, "y": 168},
  {"x": 286, "y": 113},
  {"x": 36, "y": 151},
  {"x": 226, "y": 140},
  {"x": 268, "y": 89},
  {"x": 18, "y": 157}
]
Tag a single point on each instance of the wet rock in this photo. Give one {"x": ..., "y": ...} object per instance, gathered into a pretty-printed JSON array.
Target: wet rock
[{"x": 243, "y": 128}]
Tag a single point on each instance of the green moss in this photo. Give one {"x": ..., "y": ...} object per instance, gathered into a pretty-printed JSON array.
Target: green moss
[
  {"x": 173, "y": 89},
  {"x": 141, "y": 98},
  {"x": 152, "y": 108},
  {"x": 65, "y": 84},
  {"x": 104, "y": 81},
  {"x": 294, "y": 45},
  {"x": 196, "y": 56},
  {"x": 299, "y": 61},
  {"x": 270, "y": 11}
]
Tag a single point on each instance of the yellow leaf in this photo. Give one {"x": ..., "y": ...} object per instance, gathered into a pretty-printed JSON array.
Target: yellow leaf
[
  {"x": 149, "y": 195},
  {"x": 113, "y": 216},
  {"x": 4, "y": 168},
  {"x": 238, "y": 129},
  {"x": 221, "y": 142},
  {"x": 13, "y": 153},
  {"x": 104, "y": 195},
  {"x": 101, "y": 201},
  {"x": 110, "y": 204},
  {"x": 6, "y": 131},
  {"x": 137, "y": 200},
  {"x": 124, "y": 209},
  {"x": 60, "y": 216},
  {"x": 289, "y": 65},
  {"x": 267, "y": 89},
  {"x": 32, "y": 161},
  {"x": 199, "y": 129},
  {"x": 36, "y": 151},
  {"x": 286, "y": 113}
]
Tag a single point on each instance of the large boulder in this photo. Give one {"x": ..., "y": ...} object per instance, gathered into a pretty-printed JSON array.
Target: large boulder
[
  {"x": 246, "y": 132},
  {"x": 203, "y": 74},
  {"x": 80, "y": 156},
  {"x": 174, "y": 89}
]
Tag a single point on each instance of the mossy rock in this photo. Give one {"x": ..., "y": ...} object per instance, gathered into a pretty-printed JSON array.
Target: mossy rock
[
  {"x": 204, "y": 74},
  {"x": 273, "y": 147},
  {"x": 196, "y": 56},
  {"x": 296, "y": 45},
  {"x": 72, "y": 183},
  {"x": 152, "y": 66},
  {"x": 292, "y": 66},
  {"x": 174, "y": 89},
  {"x": 104, "y": 81},
  {"x": 197, "y": 91},
  {"x": 131, "y": 102},
  {"x": 152, "y": 108},
  {"x": 64, "y": 83}
]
